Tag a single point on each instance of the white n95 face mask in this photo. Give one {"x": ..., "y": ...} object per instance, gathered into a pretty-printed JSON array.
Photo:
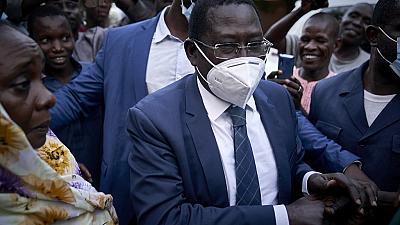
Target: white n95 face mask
[
  {"x": 395, "y": 65},
  {"x": 187, "y": 11},
  {"x": 234, "y": 80}
]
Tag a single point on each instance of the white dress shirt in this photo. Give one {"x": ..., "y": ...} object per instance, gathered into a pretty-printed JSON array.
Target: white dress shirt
[
  {"x": 167, "y": 58},
  {"x": 221, "y": 125}
]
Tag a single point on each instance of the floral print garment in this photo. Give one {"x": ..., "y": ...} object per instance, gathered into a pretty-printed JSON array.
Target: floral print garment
[{"x": 44, "y": 186}]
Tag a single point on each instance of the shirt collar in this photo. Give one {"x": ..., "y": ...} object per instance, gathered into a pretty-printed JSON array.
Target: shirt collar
[
  {"x": 162, "y": 30},
  {"x": 215, "y": 106},
  {"x": 77, "y": 70}
]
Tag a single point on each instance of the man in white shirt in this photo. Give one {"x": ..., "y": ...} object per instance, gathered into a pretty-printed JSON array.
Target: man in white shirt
[
  {"x": 206, "y": 150},
  {"x": 135, "y": 60}
]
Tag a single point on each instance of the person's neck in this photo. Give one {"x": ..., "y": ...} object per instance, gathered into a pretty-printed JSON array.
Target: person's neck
[
  {"x": 90, "y": 23},
  {"x": 379, "y": 78},
  {"x": 176, "y": 22},
  {"x": 313, "y": 75},
  {"x": 63, "y": 75},
  {"x": 347, "y": 52}
]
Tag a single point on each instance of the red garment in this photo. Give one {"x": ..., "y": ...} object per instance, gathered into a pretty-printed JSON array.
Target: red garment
[{"x": 308, "y": 87}]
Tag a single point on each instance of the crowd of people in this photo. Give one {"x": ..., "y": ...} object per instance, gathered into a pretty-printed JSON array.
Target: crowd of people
[{"x": 168, "y": 117}]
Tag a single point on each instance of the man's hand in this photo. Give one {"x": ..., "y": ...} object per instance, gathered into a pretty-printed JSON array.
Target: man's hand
[
  {"x": 353, "y": 171},
  {"x": 334, "y": 184},
  {"x": 292, "y": 85},
  {"x": 308, "y": 5},
  {"x": 306, "y": 211},
  {"x": 137, "y": 10}
]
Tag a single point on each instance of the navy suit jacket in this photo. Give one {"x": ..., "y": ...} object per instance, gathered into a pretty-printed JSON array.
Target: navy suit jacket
[
  {"x": 176, "y": 171},
  {"x": 337, "y": 110},
  {"x": 117, "y": 77}
]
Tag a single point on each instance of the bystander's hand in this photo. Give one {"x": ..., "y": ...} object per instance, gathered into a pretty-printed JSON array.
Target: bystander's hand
[
  {"x": 337, "y": 184},
  {"x": 308, "y": 5},
  {"x": 137, "y": 10},
  {"x": 292, "y": 85},
  {"x": 354, "y": 171}
]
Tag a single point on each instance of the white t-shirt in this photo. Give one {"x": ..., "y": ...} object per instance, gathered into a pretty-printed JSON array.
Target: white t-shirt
[
  {"x": 374, "y": 105},
  {"x": 338, "y": 66}
]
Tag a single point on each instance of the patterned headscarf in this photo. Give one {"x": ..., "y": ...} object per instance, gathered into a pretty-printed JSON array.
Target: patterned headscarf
[{"x": 44, "y": 186}]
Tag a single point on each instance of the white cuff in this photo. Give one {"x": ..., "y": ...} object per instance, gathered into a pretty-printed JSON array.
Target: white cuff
[
  {"x": 281, "y": 216},
  {"x": 304, "y": 185}
]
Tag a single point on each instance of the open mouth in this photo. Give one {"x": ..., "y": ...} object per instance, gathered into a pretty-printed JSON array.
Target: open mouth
[
  {"x": 310, "y": 57},
  {"x": 61, "y": 60}
]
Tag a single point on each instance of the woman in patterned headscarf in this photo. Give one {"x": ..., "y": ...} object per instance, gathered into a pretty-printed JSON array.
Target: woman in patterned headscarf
[{"x": 40, "y": 181}]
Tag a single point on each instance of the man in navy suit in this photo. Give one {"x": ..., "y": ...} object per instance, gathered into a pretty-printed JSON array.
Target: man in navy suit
[
  {"x": 219, "y": 146},
  {"x": 134, "y": 60},
  {"x": 360, "y": 109}
]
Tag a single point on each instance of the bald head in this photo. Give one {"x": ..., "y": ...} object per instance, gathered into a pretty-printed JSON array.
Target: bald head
[
  {"x": 325, "y": 21},
  {"x": 364, "y": 6}
]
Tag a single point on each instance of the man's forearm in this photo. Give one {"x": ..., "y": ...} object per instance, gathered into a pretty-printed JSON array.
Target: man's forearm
[{"x": 278, "y": 31}]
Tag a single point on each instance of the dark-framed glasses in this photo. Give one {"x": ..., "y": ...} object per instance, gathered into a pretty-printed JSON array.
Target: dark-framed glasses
[{"x": 231, "y": 50}]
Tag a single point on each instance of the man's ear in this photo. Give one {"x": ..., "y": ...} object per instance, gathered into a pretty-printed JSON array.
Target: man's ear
[
  {"x": 191, "y": 52},
  {"x": 371, "y": 33},
  {"x": 338, "y": 42}
]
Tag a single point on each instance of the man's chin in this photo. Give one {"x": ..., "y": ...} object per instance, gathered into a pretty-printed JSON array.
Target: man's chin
[
  {"x": 356, "y": 40},
  {"x": 311, "y": 67}
]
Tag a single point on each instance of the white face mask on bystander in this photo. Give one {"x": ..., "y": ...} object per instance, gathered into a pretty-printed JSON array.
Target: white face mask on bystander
[
  {"x": 395, "y": 65},
  {"x": 187, "y": 11}
]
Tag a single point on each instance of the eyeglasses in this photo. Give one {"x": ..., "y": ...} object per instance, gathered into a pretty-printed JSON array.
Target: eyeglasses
[{"x": 231, "y": 50}]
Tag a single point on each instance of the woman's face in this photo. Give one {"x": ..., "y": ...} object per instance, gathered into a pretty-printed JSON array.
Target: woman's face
[{"x": 22, "y": 92}]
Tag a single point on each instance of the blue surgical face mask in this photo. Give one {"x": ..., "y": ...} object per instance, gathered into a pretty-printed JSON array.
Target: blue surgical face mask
[
  {"x": 187, "y": 11},
  {"x": 395, "y": 65}
]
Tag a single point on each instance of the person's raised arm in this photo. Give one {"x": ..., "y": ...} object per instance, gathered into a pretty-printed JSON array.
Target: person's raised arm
[
  {"x": 278, "y": 31},
  {"x": 83, "y": 94},
  {"x": 136, "y": 10}
]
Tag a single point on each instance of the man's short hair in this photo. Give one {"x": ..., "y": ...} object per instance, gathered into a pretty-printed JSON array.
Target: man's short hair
[
  {"x": 43, "y": 11},
  {"x": 383, "y": 12},
  {"x": 327, "y": 19},
  {"x": 199, "y": 23}
]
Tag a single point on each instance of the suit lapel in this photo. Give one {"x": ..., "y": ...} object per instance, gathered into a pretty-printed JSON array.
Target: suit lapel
[
  {"x": 269, "y": 117},
  {"x": 389, "y": 115},
  {"x": 353, "y": 100},
  {"x": 205, "y": 144},
  {"x": 139, "y": 55}
]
